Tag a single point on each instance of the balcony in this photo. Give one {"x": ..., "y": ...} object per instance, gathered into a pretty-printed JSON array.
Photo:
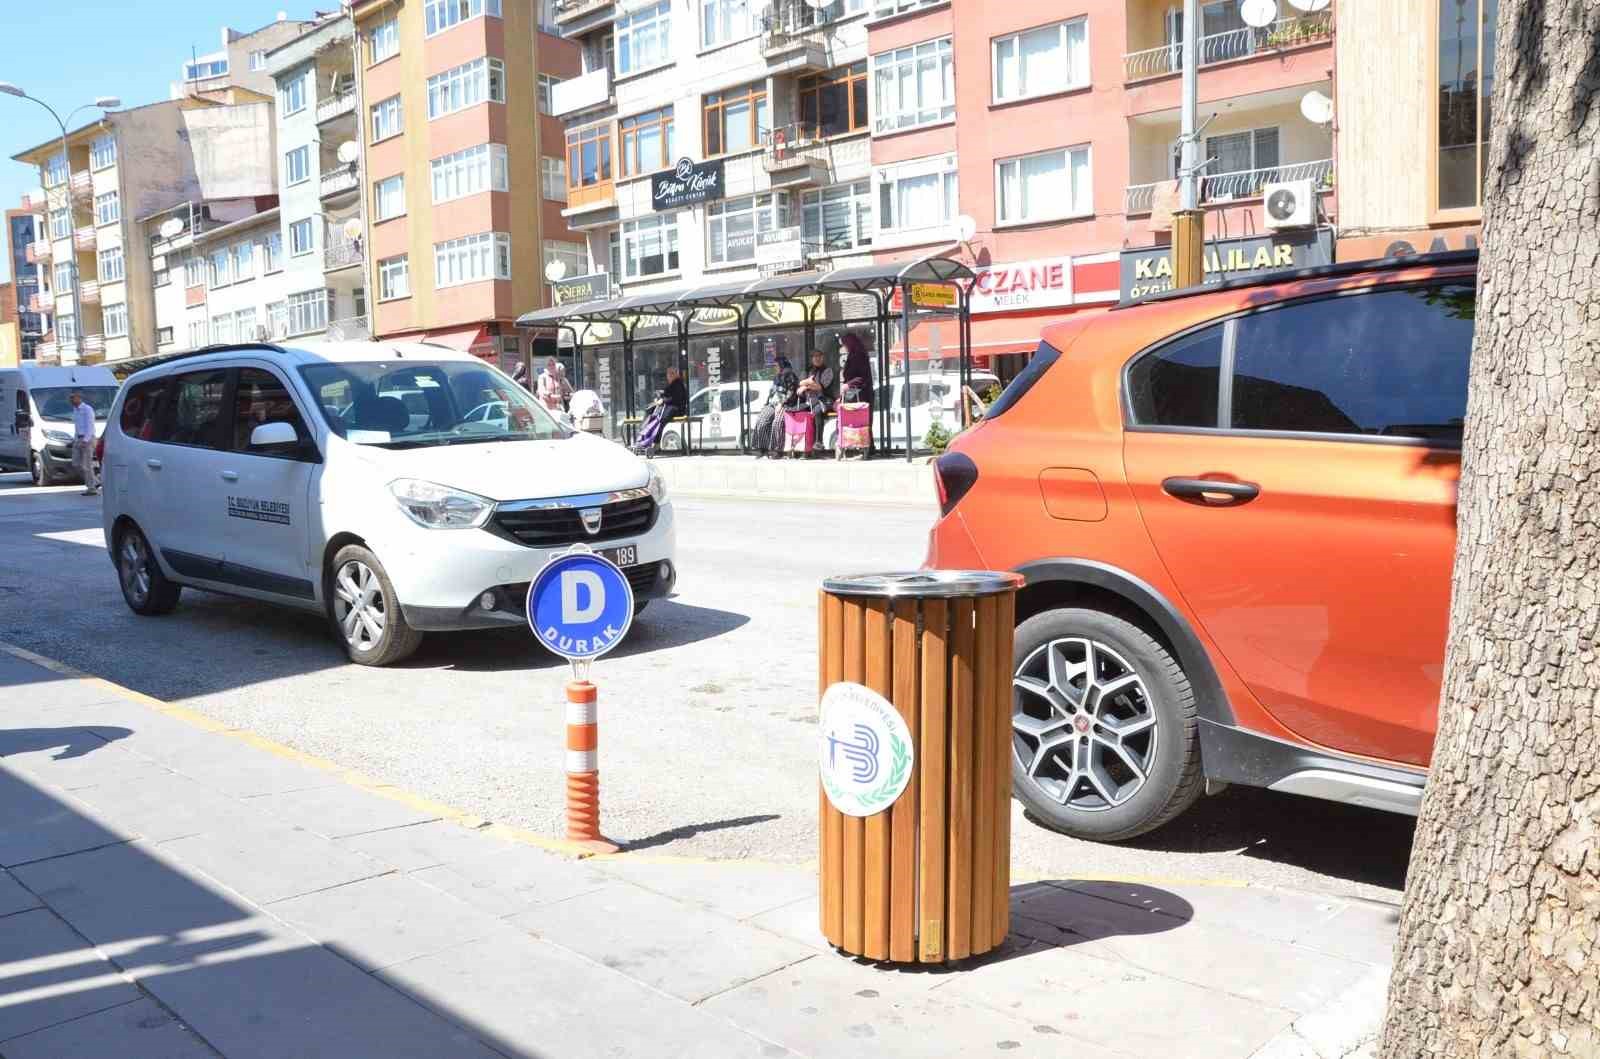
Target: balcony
[
  {"x": 340, "y": 181},
  {"x": 341, "y": 251},
  {"x": 82, "y": 185},
  {"x": 795, "y": 155},
  {"x": 340, "y": 105},
  {"x": 1221, "y": 189},
  {"x": 38, "y": 250},
  {"x": 349, "y": 329},
  {"x": 1235, "y": 44},
  {"x": 46, "y": 353},
  {"x": 93, "y": 344},
  {"x": 792, "y": 40},
  {"x": 83, "y": 239},
  {"x": 89, "y": 292},
  {"x": 591, "y": 206},
  {"x": 576, "y": 17},
  {"x": 593, "y": 89}
]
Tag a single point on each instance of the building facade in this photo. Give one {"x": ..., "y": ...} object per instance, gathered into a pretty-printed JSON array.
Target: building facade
[
  {"x": 449, "y": 118},
  {"x": 23, "y": 229},
  {"x": 241, "y": 61}
]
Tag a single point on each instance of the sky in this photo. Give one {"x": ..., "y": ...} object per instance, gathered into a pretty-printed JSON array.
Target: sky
[{"x": 134, "y": 49}]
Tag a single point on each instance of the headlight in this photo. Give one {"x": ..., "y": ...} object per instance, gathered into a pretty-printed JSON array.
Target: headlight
[
  {"x": 657, "y": 486},
  {"x": 438, "y": 506},
  {"x": 60, "y": 437}
]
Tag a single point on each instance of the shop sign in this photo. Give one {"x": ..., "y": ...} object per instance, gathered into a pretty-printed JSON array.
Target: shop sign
[
  {"x": 933, "y": 295},
  {"x": 1148, "y": 270},
  {"x": 781, "y": 250},
  {"x": 1023, "y": 285},
  {"x": 688, "y": 183},
  {"x": 581, "y": 289},
  {"x": 1409, "y": 244}
]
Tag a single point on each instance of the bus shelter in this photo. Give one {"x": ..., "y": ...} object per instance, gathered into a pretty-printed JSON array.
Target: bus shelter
[{"x": 725, "y": 338}]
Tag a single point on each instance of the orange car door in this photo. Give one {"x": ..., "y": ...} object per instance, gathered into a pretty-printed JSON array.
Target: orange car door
[{"x": 1310, "y": 526}]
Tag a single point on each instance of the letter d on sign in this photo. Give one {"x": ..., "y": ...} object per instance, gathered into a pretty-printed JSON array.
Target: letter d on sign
[{"x": 571, "y": 582}]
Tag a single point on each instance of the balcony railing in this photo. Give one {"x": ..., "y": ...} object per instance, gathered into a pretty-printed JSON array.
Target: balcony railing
[
  {"x": 792, "y": 147},
  {"x": 568, "y": 10},
  {"x": 40, "y": 303},
  {"x": 94, "y": 343},
  {"x": 45, "y": 352},
  {"x": 341, "y": 252},
  {"x": 1234, "y": 44},
  {"x": 83, "y": 239},
  {"x": 349, "y": 329},
  {"x": 593, "y": 197},
  {"x": 343, "y": 103},
  {"x": 1221, "y": 188},
  {"x": 82, "y": 184},
  {"x": 791, "y": 24},
  {"x": 593, "y": 89},
  {"x": 339, "y": 181},
  {"x": 38, "y": 250},
  {"x": 89, "y": 291}
]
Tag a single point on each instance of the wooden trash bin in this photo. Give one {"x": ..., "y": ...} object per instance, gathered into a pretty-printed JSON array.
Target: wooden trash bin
[{"x": 922, "y": 876}]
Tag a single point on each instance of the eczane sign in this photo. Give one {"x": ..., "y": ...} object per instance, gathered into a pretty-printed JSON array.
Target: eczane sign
[{"x": 1022, "y": 285}]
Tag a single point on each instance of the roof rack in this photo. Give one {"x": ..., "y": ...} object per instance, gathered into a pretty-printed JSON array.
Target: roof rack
[
  {"x": 1343, "y": 268},
  {"x": 220, "y": 347}
]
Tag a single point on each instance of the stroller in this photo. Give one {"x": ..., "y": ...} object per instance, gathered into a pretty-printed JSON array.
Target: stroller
[{"x": 855, "y": 424}]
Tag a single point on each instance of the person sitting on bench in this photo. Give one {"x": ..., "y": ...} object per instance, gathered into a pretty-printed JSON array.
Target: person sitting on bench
[{"x": 671, "y": 403}]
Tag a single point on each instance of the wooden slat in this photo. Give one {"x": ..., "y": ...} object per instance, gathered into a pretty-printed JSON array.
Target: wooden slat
[
  {"x": 876, "y": 861},
  {"x": 1004, "y": 638},
  {"x": 855, "y": 663},
  {"x": 931, "y": 931},
  {"x": 831, "y": 822},
  {"x": 983, "y": 791},
  {"x": 903, "y": 817},
  {"x": 958, "y": 914}
]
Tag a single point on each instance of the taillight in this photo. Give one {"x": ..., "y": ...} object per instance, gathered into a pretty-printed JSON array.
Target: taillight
[{"x": 956, "y": 475}]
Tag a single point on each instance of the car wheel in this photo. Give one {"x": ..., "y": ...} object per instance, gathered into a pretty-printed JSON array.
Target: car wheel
[
  {"x": 36, "y": 468},
  {"x": 366, "y": 610},
  {"x": 668, "y": 442},
  {"x": 144, "y": 586},
  {"x": 1104, "y": 737}
]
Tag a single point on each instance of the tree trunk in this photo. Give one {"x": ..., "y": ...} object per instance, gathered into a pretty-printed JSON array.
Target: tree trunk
[{"x": 1499, "y": 951}]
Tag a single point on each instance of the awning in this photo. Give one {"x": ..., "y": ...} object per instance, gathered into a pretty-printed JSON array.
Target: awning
[{"x": 466, "y": 339}]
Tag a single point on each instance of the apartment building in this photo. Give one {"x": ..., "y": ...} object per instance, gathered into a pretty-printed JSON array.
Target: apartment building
[
  {"x": 240, "y": 63},
  {"x": 450, "y": 115},
  {"x": 23, "y": 229}
]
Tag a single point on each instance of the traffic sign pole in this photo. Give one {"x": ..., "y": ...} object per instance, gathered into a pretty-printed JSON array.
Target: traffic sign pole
[{"x": 583, "y": 767}]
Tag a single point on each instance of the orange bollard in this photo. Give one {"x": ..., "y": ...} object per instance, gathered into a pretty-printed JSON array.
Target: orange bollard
[{"x": 583, "y": 768}]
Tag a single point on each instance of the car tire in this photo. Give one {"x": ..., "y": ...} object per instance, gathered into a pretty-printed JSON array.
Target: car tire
[
  {"x": 36, "y": 468},
  {"x": 144, "y": 587},
  {"x": 365, "y": 610},
  {"x": 1107, "y": 758}
]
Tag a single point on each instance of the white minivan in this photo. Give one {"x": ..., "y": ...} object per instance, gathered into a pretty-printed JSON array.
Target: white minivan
[
  {"x": 355, "y": 480},
  {"x": 36, "y": 417}
]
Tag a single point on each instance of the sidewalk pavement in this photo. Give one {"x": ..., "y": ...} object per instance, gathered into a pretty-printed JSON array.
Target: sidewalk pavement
[
  {"x": 886, "y": 480},
  {"x": 171, "y": 888}
]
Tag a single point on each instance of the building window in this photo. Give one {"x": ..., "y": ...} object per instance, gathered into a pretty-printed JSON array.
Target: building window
[
  {"x": 244, "y": 261},
  {"x": 60, "y": 223},
  {"x": 359, "y": 298},
  {"x": 198, "y": 331},
  {"x": 107, "y": 208},
  {"x": 394, "y": 278},
  {"x": 67, "y": 328},
  {"x": 1045, "y": 186},
  {"x": 614, "y": 258},
  {"x": 835, "y": 102},
  {"x": 103, "y": 152},
  {"x": 466, "y": 86},
  {"x": 588, "y": 156},
  {"x": 160, "y": 277},
  {"x": 292, "y": 96},
  {"x": 164, "y": 336},
  {"x": 917, "y": 195},
  {"x": 1466, "y": 85},
  {"x": 221, "y": 268},
  {"x": 272, "y": 252},
  {"x": 1235, "y": 152},
  {"x": 735, "y": 119},
  {"x": 440, "y": 15},
  {"x": 885, "y": 8},
  {"x": 480, "y": 168},
  {"x": 914, "y": 86},
  {"x": 547, "y": 18},
  {"x": 644, "y": 39},
  {"x": 386, "y": 119},
  {"x": 383, "y": 41},
  {"x": 575, "y": 256},
  {"x": 553, "y": 175},
  {"x": 547, "y": 85},
  {"x": 55, "y": 171},
  {"x": 194, "y": 270},
  {"x": 308, "y": 312},
  {"x": 733, "y": 225},
  {"x": 258, "y": 60},
  {"x": 297, "y": 166},
  {"x": 650, "y": 246},
  {"x": 838, "y": 219},
  {"x": 1041, "y": 61},
  {"x": 244, "y": 325},
  {"x": 109, "y": 265},
  {"x": 277, "y": 320},
  {"x": 725, "y": 21},
  {"x": 471, "y": 259},
  {"x": 646, "y": 142},
  {"x": 302, "y": 238},
  {"x": 389, "y": 197},
  {"x": 115, "y": 318},
  {"x": 205, "y": 70},
  {"x": 63, "y": 272}
]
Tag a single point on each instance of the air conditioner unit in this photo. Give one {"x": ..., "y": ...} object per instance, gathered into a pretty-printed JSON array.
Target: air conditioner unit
[{"x": 1292, "y": 204}]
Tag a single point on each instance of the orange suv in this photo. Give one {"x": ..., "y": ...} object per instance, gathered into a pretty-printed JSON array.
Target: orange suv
[{"x": 1235, "y": 510}]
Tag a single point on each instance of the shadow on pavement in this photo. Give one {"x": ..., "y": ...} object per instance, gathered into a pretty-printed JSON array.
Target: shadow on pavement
[{"x": 662, "y": 838}]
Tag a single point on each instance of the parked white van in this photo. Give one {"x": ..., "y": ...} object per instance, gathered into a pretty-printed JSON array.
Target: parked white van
[
  {"x": 934, "y": 395},
  {"x": 354, "y": 479},
  {"x": 36, "y": 417}
]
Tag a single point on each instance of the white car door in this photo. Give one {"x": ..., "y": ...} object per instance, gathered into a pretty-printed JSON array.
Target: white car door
[
  {"x": 13, "y": 442},
  {"x": 179, "y": 475}
]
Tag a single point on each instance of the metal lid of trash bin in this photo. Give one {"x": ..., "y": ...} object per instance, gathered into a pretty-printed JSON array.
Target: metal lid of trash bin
[{"x": 925, "y": 584}]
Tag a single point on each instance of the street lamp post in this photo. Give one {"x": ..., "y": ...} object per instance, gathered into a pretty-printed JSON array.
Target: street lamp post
[{"x": 103, "y": 103}]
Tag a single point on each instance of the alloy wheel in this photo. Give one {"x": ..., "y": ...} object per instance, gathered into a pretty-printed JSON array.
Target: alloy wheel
[
  {"x": 358, "y": 605},
  {"x": 134, "y": 567},
  {"x": 1083, "y": 726}
]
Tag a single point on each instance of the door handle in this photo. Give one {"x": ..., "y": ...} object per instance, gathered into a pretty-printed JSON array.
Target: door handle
[
  {"x": 153, "y": 464},
  {"x": 230, "y": 476},
  {"x": 1200, "y": 488}
]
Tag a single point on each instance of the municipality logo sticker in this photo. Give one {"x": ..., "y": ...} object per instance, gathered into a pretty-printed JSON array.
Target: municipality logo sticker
[{"x": 863, "y": 750}]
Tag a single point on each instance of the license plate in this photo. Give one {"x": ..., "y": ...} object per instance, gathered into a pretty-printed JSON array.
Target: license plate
[{"x": 624, "y": 556}]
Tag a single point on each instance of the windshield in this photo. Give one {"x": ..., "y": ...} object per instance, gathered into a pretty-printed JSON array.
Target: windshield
[
  {"x": 408, "y": 404},
  {"x": 55, "y": 402}
]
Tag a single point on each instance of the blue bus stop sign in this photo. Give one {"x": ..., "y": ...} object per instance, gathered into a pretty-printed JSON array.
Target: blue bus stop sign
[{"x": 580, "y": 605}]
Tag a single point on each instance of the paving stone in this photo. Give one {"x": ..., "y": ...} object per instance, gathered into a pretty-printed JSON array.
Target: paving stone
[
  {"x": 36, "y": 825},
  {"x": 1269, "y": 913},
  {"x": 386, "y": 920},
  {"x": 14, "y": 897},
  {"x": 513, "y": 879},
  {"x": 162, "y": 805},
  {"x": 425, "y": 845},
  {"x": 677, "y": 948},
  {"x": 530, "y": 998},
  {"x": 71, "y": 759},
  {"x": 1351, "y": 1019},
  {"x": 798, "y": 921},
  {"x": 142, "y": 1029},
  {"x": 48, "y": 975},
  {"x": 728, "y": 887},
  {"x": 268, "y": 864},
  {"x": 1357, "y": 932},
  {"x": 25, "y": 681},
  {"x": 339, "y": 811}
]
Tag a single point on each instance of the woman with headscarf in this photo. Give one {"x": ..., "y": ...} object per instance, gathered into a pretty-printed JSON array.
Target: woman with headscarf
[
  {"x": 857, "y": 367},
  {"x": 671, "y": 403},
  {"x": 767, "y": 438}
]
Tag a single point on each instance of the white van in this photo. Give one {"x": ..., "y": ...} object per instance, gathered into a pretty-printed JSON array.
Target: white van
[
  {"x": 36, "y": 417},
  {"x": 397, "y": 488},
  {"x": 717, "y": 409},
  {"x": 934, "y": 395}
]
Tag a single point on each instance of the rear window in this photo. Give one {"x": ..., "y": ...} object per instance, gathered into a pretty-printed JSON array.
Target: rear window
[
  {"x": 1177, "y": 384},
  {"x": 1041, "y": 363},
  {"x": 141, "y": 407}
]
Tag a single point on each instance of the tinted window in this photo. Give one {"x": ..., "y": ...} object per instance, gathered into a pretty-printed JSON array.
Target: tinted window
[
  {"x": 192, "y": 411},
  {"x": 1384, "y": 363},
  {"x": 729, "y": 400},
  {"x": 1176, "y": 386},
  {"x": 141, "y": 409},
  {"x": 261, "y": 397}
]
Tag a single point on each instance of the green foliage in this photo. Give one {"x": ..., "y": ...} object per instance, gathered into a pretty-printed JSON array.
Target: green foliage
[{"x": 938, "y": 437}]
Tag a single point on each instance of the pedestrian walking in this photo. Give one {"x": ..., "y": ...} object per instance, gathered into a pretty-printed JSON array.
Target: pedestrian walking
[
  {"x": 83, "y": 443},
  {"x": 564, "y": 385},
  {"x": 549, "y": 387}
]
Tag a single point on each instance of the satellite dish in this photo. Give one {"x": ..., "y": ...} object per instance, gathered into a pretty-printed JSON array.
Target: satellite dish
[
  {"x": 1258, "y": 13},
  {"x": 352, "y": 228},
  {"x": 349, "y": 151},
  {"x": 966, "y": 227},
  {"x": 555, "y": 271},
  {"x": 1316, "y": 108},
  {"x": 1310, "y": 6},
  {"x": 171, "y": 226}
]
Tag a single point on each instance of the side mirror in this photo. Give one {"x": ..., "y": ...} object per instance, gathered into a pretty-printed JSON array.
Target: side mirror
[{"x": 275, "y": 439}]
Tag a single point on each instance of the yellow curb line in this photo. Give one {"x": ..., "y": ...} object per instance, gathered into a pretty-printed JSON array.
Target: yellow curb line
[{"x": 504, "y": 832}]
